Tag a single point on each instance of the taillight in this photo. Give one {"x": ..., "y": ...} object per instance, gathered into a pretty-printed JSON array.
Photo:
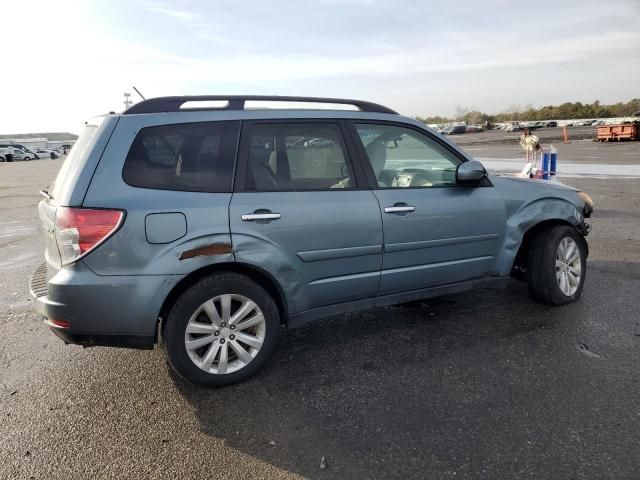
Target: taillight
[{"x": 80, "y": 230}]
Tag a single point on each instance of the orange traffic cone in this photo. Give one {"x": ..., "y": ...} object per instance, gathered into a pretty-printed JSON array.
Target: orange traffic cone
[{"x": 565, "y": 134}]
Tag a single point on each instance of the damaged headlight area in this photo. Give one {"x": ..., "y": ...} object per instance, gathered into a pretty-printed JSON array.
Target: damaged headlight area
[{"x": 587, "y": 210}]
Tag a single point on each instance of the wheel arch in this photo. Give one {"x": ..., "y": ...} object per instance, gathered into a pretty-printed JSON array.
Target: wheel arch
[
  {"x": 260, "y": 276},
  {"x": 518, "y": 266}
]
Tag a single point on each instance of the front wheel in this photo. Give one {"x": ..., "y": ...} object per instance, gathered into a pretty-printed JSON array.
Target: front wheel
[
  {"x": 557, "y": 265},
  {"x": 222, "y": 330}
]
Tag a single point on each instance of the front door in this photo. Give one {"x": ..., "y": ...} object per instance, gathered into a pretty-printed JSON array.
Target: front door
[
  {"x": 299, "y": 213},
  {"x": 435, "y": 231}
]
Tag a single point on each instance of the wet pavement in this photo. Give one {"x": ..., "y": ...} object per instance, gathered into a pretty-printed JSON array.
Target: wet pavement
[{"x": 484, "y": 384}]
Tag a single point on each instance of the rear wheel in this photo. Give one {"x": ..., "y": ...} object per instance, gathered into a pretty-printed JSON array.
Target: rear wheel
[
  {"x": 557, "y": 265},
  {"x": 222, "y": 330}
]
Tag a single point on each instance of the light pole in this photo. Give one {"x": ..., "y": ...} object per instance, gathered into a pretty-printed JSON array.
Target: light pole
[{"x": 127, "y": 102}]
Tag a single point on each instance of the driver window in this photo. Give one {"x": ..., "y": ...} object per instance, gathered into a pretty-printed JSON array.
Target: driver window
[{"x": 402, "y": 157}]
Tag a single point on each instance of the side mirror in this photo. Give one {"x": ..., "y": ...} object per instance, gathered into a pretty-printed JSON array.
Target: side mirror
[{"x": 470, "y": 172}]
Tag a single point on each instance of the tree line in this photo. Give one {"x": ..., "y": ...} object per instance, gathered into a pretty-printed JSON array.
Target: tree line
[{"x": 568, "y": 110}]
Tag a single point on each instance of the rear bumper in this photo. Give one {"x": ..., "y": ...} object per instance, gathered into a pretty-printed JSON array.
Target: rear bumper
[
  {"x": 140, "y": 342},
  {"x": 117, "y": 311}
]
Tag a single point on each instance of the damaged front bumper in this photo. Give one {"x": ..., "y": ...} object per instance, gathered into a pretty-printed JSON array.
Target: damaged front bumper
[{"x": 584, "y": 228}]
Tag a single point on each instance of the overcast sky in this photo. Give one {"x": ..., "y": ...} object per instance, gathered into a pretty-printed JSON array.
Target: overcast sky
[{"x": 65, "y": 61}]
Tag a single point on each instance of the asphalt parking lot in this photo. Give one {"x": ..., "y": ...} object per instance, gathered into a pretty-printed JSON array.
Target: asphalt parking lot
[{"x": 484, "y": 384}]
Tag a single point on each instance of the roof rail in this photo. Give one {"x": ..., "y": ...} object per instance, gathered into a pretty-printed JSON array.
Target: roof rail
[{"x": 237, "y": 102}]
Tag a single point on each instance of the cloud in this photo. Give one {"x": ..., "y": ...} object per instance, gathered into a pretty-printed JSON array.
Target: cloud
[
  {"x": 417, "y": 59},
  {"x": 169, "y": 11}
]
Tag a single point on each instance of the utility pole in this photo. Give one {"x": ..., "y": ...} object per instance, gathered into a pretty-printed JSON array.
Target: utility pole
[{"x": 127, "y": 101}]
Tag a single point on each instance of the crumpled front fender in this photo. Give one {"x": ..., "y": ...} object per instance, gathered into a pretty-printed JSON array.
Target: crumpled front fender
[{"x": 527, "y": 217}]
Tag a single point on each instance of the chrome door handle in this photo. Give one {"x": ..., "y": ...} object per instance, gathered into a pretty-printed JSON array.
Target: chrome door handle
[
  {"x": 407, "y": 208},
  {"x": 260, "y": 216}
]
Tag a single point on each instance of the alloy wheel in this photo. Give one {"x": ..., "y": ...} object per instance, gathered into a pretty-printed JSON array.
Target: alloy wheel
[
  {"x": 568, "y": 266},
  {"x": 225, "y": 334}
]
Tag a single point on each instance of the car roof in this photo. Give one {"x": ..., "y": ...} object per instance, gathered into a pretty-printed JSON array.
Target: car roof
[
  {"x": 166, "y": 110},
  {"x": 142, "y": 120},
  {"x": 239, "y": 102}
]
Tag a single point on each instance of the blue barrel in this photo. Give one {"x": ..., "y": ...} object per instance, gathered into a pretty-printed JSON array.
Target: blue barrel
[
  {"x": 546, "y": 160},
  {"x": 554, "y": 162}
]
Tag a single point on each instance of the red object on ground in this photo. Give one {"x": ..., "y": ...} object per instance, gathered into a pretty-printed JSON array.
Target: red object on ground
[{"x": 58, "y": 323}]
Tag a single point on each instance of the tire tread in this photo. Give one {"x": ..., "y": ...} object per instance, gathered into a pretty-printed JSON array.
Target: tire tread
[
  {"x": 173, "y": 333},
  {"x": 543, "y": 286}
]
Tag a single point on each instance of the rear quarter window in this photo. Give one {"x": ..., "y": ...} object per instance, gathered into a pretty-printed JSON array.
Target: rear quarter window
[
  {"x": 195, "y": 157},
  {"x": 76, "y": 160}
]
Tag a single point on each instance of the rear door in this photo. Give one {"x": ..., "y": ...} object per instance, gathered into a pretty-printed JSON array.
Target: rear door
[
  {"x": 174, "y": 180},
  {"x": 300, "y": 212},
  {"x": 435, "y": 231}
]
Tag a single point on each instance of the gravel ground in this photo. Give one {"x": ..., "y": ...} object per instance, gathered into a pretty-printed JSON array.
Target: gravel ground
[{"x": 485, "y": 384}]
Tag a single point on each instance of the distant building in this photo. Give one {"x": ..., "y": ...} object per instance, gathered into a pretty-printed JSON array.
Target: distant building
[
  {"x": 31, "y": 143},
  {"x": 36, "y": 143},
  {"x": 65, "y": 144}
]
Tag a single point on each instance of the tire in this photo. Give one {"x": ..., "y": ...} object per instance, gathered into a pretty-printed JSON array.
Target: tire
[
  {"x": 191, "y": 310},
  {"x": 552, "y": 279}
]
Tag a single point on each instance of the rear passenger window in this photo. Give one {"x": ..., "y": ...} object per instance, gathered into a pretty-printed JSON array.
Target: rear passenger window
[
  {"x": 297, "y": 157},
  {"x": 195, "y": 157}
]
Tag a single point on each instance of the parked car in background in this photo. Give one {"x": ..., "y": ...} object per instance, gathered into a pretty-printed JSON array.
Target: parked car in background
[
  {"x": 211, "y": 229},
  {"x": 22, "y": 148},
  {"x": 551, "y": 124},
  {"x": 19, "y": 154},
  {"x": 9, "y": 149},
  {"x": 598, "y": 123},
  {"x": 6, "y": 154},
  {"x": 46, "y": 153},
  {"x": 455, "y": 130},
  {"x": 474, "y": 129}
]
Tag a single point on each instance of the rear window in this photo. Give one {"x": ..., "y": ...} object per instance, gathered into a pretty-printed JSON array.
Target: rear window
[{"x": 195, "y": 157}]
